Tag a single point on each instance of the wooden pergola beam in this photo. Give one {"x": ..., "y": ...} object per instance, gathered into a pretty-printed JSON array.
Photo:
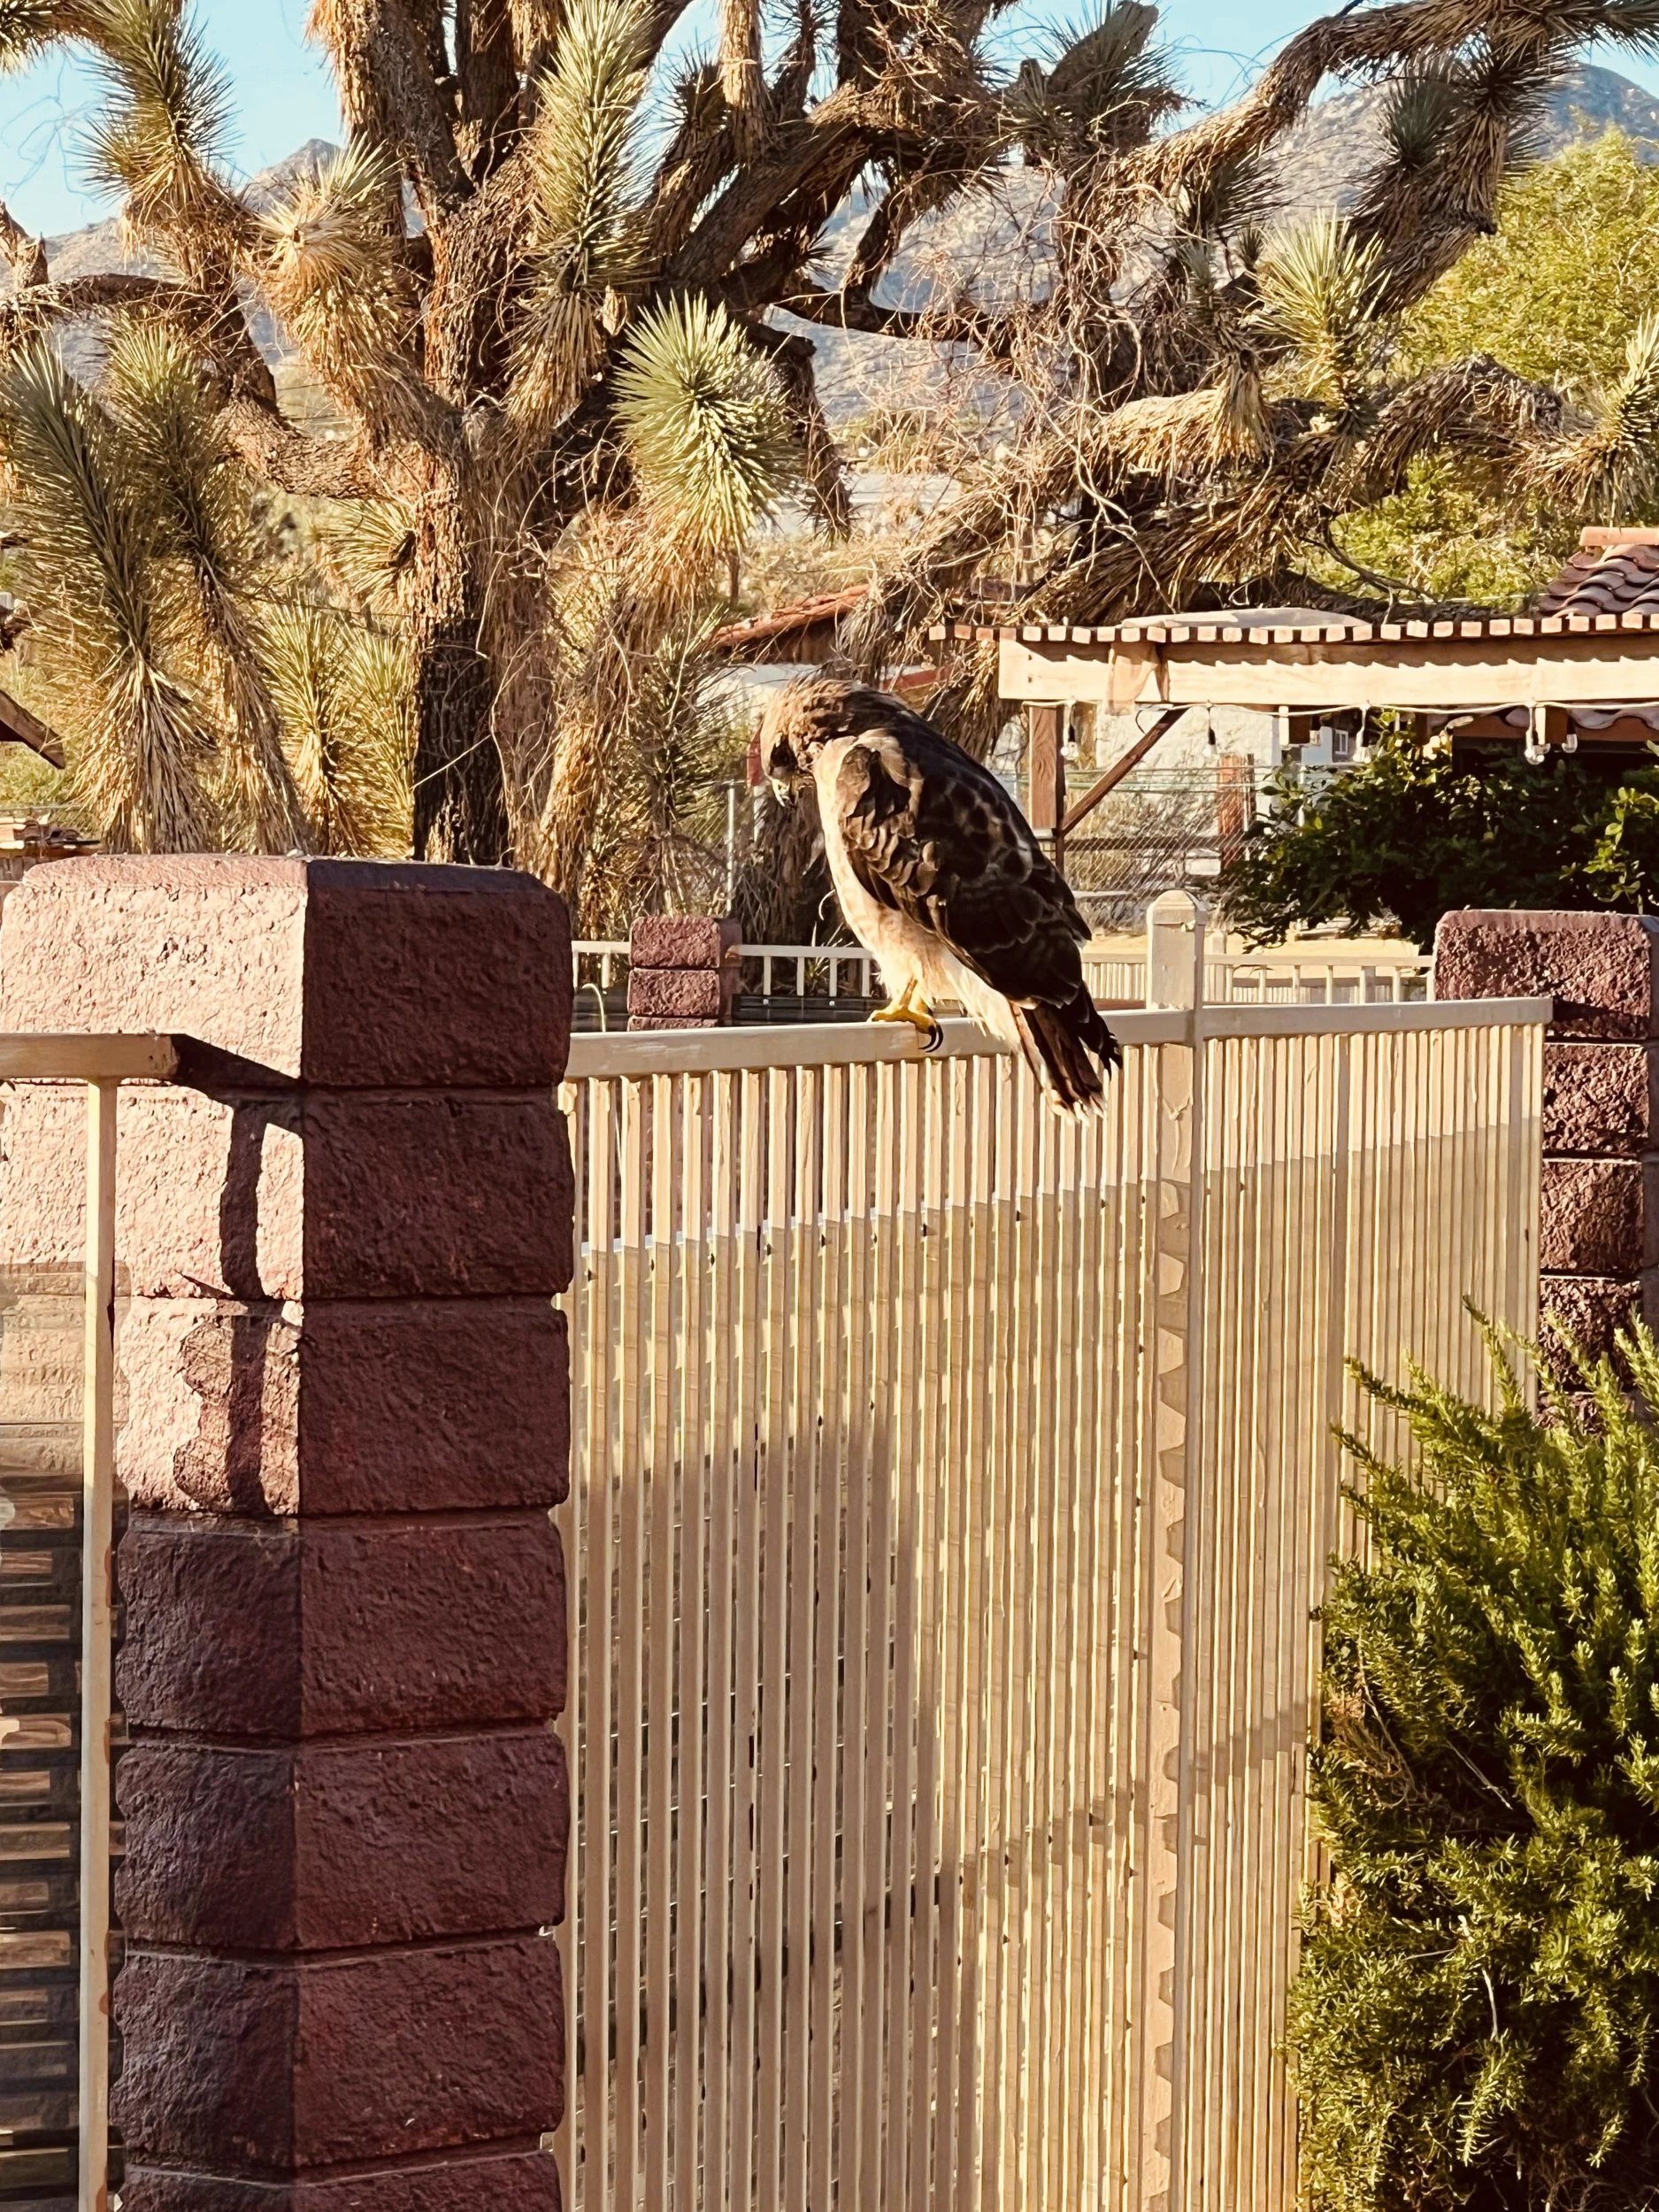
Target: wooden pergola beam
[
  {"x": 1447, "y": 675},
  {"x": 1084, "y": 807},
  {"x": 21, "y": 728}
]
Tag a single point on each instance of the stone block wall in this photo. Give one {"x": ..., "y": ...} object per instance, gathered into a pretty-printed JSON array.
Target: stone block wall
[
  {"x": 346, "y": 1811},
  {"x": 683, "y": 971},
  {"x": 1599, "y": 1227}
]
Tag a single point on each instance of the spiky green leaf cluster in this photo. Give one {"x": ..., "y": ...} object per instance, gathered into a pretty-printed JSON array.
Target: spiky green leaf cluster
[
  {"x": 345, "y": 697},
  {"x": 331, "y": 267},
  {"x": 1612, "y": 465},
  {"x": 26, "y": 26},
  {"x": 1320, "y": 288},
  {"x": 586, "y": 238},
  {"x": 164, "y": 126},
  {"x": 1476, "y": 2019},
  {"x": 658, "y": 846},
  {"x": 704, "y": 424},
  {"x": 90, "y": 570},
  {"x": 1107, "y": 82},
  {"x": 159, "y": 615}
]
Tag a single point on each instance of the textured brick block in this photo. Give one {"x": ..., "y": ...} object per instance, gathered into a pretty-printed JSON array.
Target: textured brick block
[
  {"x": 1590, "y": 1310},
  {"x": 1601, "y": 1100},
  {"x": 281, "y": 1632},
  {"x": 513, "y": 2181},
  {"x": 1601, "y": 970},
  {"x": 1599, "y": 1216},
  {"x": 683, "y": 940},
  {"x": 318, "y": 1193},
  {"x": 231, "y": 2063},
  {"x": 337, "y": 1847},
  {"x": 667, "y": 1021},
  {"x": 360, "y": 972},
  {"x": 670, "y": 994},
  {"x": 391, "y": 1407}
]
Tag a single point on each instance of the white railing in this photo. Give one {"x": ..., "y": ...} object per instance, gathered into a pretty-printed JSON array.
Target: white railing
[
  {"x": 1349, "y": 972},
  {"x": 1345, "y": 972},
  {"x": 102, "y": 1063},
  {"x": 832, "y": 971},
  {"x": 951, "y": 1492}
]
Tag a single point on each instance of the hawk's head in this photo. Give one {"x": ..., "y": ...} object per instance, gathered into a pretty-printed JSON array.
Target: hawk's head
[{"x": 807, "y": 716}]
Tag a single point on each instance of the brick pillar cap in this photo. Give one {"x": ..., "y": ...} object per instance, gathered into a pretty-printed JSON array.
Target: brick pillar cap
[
  {"x": 354, "y": 972},
  {"x": 1601, "y": 970},
  {"x": 683, "y": 941}
]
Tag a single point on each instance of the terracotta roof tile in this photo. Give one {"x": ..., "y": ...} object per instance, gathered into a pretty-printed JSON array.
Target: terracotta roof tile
[{"x": 1613, "y": 572}]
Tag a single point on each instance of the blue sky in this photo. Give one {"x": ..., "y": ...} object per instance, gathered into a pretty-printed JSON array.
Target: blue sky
[{"x": 284, "y": 94}]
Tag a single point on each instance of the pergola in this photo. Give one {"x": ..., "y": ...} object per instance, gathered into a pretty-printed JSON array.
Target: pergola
[
  {"x": 1546, "y": 676},
  {"x": 1582, "y": 672}
]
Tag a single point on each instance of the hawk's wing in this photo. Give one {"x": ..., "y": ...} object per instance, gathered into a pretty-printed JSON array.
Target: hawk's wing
[{"x": 931, "y": 834}]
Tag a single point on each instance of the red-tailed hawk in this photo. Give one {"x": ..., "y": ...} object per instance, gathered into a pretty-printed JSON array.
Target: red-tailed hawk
[{"x": 938, "y": 872}]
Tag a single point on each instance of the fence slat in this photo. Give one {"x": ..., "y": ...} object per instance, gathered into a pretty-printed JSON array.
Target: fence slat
[{"x": 98, "y": 1541}]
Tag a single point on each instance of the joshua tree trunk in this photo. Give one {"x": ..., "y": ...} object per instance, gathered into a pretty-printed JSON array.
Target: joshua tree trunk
[
  {"x": 460, "y": 800},
  {"x": 460, "y": 806}
]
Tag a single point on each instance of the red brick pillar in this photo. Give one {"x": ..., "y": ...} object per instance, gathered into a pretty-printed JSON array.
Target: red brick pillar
[
  {"x": 1598, "y": 1229},
  {"x": 344, "y": 1646},
  {"x": 683, "y": 971}
]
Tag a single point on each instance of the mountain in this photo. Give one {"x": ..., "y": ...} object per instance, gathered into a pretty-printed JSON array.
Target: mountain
[
  {"x": 102, "y": 249},
  {"x": 1322, "y": 163},
  {"x": 1325, "y": 161},
  {"x": 983, "y": 242}
]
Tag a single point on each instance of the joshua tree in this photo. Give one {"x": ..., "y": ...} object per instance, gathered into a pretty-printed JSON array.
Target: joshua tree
[{"x": 557, "y": 347}]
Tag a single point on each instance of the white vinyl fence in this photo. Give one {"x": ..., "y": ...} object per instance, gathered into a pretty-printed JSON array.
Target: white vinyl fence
[
  {"x": 1316, "y": 973},
  {"x": 57, "y": 1960},
  {"x": 951, "y": 1492},
  {"x": 1341, "y": 972}
]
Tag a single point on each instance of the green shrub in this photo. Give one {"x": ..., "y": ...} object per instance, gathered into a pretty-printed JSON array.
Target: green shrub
[
  {"x": 1476, "y": 2018},
  {"x": 1407, "y": 835}
]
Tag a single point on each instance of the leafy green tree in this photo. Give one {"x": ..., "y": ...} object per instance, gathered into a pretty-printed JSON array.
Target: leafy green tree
[
  {"x": 1556, "y": 293},
  {"x": 1475, "y": 2022},
  {"x": 1407, "y": 835}
]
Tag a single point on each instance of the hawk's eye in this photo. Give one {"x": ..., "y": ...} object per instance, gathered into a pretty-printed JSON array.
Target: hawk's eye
[{"x": 781, "y": 765}]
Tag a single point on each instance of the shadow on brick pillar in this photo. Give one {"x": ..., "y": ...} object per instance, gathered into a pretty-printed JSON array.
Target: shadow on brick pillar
[
  {"x": 1599, "y": 1214},
  {"x": 345, "y": 1809}
]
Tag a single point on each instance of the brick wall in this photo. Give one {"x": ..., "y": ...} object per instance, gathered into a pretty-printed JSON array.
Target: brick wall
[
  {"x": 1599, "y": 1227},
  {"x": 345, "y": 1809}
]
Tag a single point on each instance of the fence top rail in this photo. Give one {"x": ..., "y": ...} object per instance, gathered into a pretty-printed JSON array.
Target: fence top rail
[
  {"x": 830, "y": 1044},
  {"x": 596, "y": 946},
  {"x": 49, "y": 1056}
]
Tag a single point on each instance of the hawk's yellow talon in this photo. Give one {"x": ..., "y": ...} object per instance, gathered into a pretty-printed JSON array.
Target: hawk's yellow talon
[{"x": 912, "y": 1008}]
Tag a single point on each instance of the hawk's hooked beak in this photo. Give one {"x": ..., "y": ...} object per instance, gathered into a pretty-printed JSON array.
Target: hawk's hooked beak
[{"x": 782, "y": 790}]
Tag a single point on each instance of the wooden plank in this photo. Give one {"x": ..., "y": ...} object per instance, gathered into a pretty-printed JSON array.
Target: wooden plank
[
  {"x": 1121, "y": 767},
  {"x": 50, "y": 1056},
  {"x": 1045, "y": 765},
  {"x": 1401, "y": 666},
  {"x": 24, "y": 728},
  {"x": 806, "y": 1044}
]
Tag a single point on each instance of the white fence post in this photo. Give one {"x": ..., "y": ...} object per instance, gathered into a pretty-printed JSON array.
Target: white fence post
[
  {"x": 1175, "y": 980},
  {"x": 1175, "y": 951}
]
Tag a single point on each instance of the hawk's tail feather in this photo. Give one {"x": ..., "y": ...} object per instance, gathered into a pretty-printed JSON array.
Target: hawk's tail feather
[{"x": 1058, "y": 1042}]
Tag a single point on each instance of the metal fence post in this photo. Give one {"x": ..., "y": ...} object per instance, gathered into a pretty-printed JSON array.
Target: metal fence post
[
  {"x": 1175, "y": 980},
  {"x": 97, "y": 1489}
]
